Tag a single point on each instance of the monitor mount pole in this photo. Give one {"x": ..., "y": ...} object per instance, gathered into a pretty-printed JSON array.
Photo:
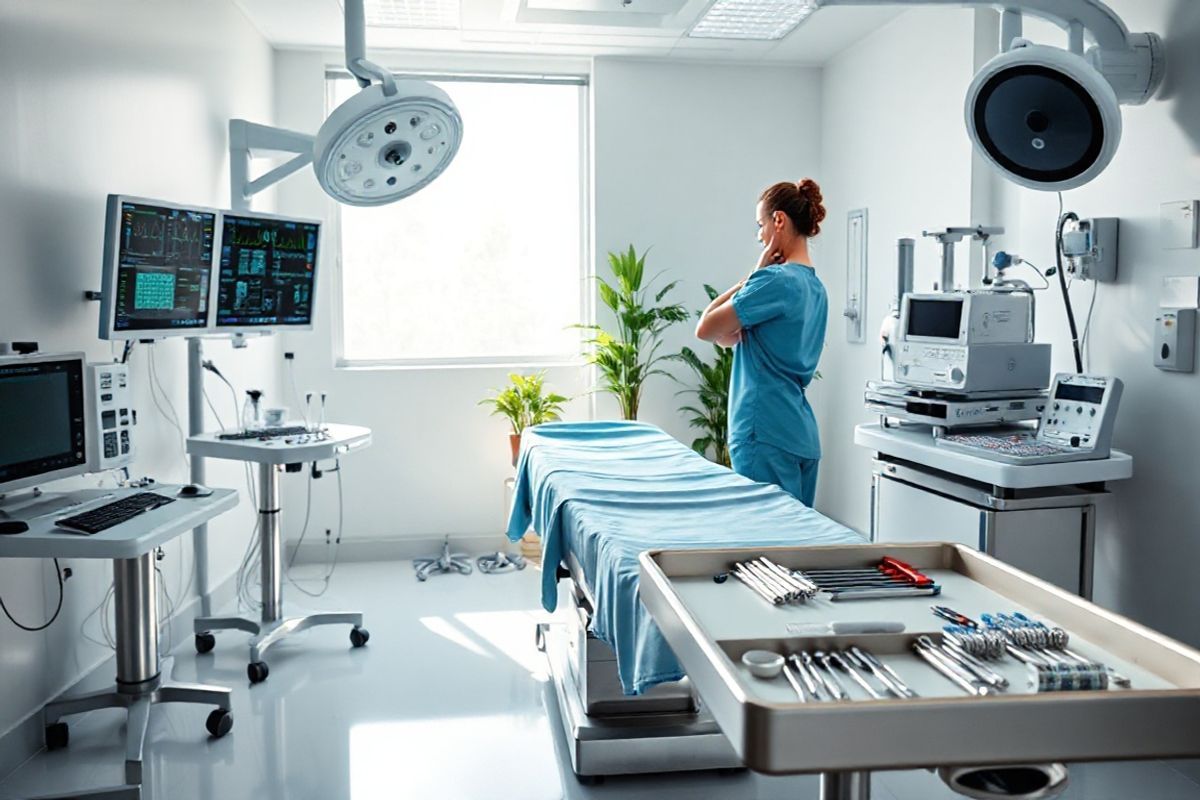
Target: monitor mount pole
[{"x": 246, "y": 139}]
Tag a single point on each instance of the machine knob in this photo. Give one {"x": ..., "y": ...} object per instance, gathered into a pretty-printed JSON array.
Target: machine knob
[
  {"x": 956, "y": 375},
  {"x": 1074, "y": 441},
  {"x": 1056, "y": 406}
]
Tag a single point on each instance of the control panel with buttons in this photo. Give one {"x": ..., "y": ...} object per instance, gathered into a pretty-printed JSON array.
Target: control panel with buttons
[
  {"x": 1076, "y": 425},
  {"x": 112, "y": 417}
]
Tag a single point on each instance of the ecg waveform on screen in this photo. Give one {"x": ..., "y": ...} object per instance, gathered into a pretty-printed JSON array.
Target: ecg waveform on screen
[
  {"x": 160, "y": 236},
  {"x": 297, "y": 241}
]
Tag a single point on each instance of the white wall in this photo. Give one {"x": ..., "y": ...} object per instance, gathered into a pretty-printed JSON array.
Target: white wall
[
  {"x": 1148, "y": 537},
  {"x": 904, "y": 85},
  {"x": 128, "y": 97},
  {"x": 682, "y": 153},
  {"x": 661, "y": 178},
  {"x": 893, "y": 143}
]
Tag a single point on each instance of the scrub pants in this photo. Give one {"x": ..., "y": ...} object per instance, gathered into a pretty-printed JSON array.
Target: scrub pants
[{"x": 766, "y": 464}]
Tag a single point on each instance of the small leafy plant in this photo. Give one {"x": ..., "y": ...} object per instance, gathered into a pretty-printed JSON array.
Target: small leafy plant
[
  {"x": 628, "y": 356},
  {"x": 525, "y": 402}
]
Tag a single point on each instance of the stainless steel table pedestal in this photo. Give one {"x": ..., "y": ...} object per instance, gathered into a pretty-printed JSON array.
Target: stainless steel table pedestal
[
  {"x": 140, "y": 673},
  {"x": 845, "y": 786},
  {"x": 273, "y": 628}
]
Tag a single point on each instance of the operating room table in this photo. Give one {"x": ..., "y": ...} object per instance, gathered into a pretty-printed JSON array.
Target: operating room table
[{"x": 710, "y": 625}]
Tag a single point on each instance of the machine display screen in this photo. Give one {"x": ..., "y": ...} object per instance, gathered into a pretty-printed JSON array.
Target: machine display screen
[
  {"x": 43, "y": 411},
  {"x": 267, "y": 272},
  {"x": 164, "y": 267},
  {"x": 1079, "y": 394},
  {"x": 935, "y": 319}
]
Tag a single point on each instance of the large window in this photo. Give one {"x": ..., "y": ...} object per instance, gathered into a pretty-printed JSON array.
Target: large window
[{"x": 486, "y": 265}]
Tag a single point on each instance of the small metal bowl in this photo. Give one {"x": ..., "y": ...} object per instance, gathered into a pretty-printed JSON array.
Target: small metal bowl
[{"x": 763, "y": 663}]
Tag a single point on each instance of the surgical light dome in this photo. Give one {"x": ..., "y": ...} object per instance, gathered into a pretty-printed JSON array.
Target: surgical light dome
[{"x": 386, "y": 142}]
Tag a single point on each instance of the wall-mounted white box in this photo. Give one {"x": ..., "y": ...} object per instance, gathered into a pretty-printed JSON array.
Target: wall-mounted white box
[{"x": 1178, "y": 226}]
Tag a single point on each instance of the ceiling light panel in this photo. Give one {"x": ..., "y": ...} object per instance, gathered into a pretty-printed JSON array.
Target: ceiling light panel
[
  {"x": 427, "y": 14},
  {"x": 752, "y": 19}
]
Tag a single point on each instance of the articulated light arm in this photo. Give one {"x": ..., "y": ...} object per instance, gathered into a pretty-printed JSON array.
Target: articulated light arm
[
  {"x": 356, "y": 51},
  {"x": 249, "y": 138},
  {"x": 1133, "y": 63},
  {"x": 1074, "y": 16}
]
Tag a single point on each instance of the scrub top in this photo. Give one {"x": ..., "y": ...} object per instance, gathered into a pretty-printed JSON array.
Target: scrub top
[{"x": 782, "y": 309}]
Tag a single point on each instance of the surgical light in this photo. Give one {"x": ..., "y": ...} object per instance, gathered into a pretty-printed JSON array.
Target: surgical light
[
  {"x": 752, "y": 19},
  {"x": 388, "y": 141},
  {"x": 1049, "y": 118}
]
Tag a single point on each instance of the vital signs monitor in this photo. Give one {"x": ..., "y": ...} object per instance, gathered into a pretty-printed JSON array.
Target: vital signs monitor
[
  {"x": 267, "y": 272},
  {"x": 159, "y": 260}
]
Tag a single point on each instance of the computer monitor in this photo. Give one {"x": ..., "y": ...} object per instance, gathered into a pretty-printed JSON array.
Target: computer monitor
[
  {"x": 43, "y": 406},
  {"x": 267, "y": 273},
  {"x": 159, "y": 259}
]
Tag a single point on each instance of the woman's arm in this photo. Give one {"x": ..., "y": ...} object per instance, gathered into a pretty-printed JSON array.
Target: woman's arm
[{"x": 719, "y": 323}]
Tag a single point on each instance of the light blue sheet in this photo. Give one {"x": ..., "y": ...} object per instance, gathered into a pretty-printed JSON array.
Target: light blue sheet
[{"x": 606, "y": 491}]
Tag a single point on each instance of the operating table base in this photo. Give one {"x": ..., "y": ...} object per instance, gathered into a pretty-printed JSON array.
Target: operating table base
[
  {"x": 632, "y": 743},
  {"x": 446, "y": 562},
  {"x": 269, "y": 634},
  {"x": 137, "y": 701}
]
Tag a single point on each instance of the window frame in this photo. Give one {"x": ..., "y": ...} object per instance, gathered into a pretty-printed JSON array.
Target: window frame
[{"x": 585, "y": 300}]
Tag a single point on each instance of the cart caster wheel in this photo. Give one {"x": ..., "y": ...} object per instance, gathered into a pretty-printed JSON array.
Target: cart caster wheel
[
  {"x": 590, "y": 780},
  {"x": 57, "y": 736},
  {"x": 257, "y": 671},
  {"x": 219, "y": 723},
  {"x": 359, "y": 636},
  {"x": 205, "y": 642}
]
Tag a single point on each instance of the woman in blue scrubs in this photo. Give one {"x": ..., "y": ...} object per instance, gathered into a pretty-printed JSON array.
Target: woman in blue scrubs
[{"x": 775, "y": 320}]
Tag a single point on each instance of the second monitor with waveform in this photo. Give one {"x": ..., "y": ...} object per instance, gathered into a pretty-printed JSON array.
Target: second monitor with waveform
[{"x": 267, "y": 272}]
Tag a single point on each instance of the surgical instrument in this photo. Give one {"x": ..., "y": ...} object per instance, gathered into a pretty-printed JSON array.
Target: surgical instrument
[
  {"x": 841, "y": 663},
  {"x": 927, "y": 650},
  {"x": 953, "y": 616},
  {"x": 829, "y": 677},
  {"x": 882, "y": 671},
  {"x": 871, "y": 594},
  {"x": 770, "y": 581},
  {"x": 805, "y": 586},
  {"x": 758, "y": 588},
  {"x": 974, "y": 666},
  {"x": 787, "y": 674},
  {"x": 810, "y": 679}
]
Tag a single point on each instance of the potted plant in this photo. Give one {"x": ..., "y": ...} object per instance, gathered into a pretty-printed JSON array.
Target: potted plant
[
  {"x": 627, "y": 356},
  {"x": 710, "y": 414},
  {"x": 524, "y": 402}
]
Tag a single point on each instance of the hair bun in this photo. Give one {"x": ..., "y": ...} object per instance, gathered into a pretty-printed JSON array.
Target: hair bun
[{"x": 816, "y": 203}]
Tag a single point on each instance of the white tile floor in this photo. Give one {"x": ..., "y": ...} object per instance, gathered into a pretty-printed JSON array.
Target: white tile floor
[{"x": 449, "y": 700}]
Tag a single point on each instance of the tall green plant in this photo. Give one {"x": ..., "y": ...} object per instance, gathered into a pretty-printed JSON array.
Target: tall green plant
[
  {"x": 710, "y": 413},
  {"x": 525, "y": 402},
  {"x": 628, "y": 356}
]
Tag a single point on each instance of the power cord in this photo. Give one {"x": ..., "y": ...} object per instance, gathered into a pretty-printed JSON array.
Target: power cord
[
  {"x": 331, "y": 567},
  {"x": 57, "y": 610},
  {"x": 1062, "y": 281}
]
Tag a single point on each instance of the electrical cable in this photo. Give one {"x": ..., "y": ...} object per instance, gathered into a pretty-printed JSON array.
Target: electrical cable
[
  {"x": 57, "y": 610},
  {"x": 1062, "y": 282},
  {"x": 332, "y": 567}
]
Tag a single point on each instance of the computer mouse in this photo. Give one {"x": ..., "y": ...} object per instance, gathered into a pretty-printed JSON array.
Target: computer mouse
[
  {"x": 194, "y": 490},
  {"x": 11, "y": 526}
]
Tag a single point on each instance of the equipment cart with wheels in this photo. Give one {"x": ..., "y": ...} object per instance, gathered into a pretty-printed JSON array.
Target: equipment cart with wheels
[{"x": 271, "y": 455}]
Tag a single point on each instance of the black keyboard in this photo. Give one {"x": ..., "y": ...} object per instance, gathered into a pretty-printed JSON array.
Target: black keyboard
[
  {"x": 106, "y": 516},
  {"x": 263, "y": 433}
]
